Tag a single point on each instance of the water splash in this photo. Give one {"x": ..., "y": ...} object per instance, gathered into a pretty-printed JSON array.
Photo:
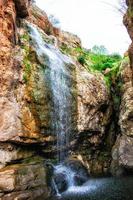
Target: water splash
[
  {"x": 57, "y": 75},
  {"x": 67, "y": 172}
]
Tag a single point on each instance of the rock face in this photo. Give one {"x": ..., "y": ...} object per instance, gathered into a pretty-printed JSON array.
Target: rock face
[
  {"x": 122, "y": 152},
  {"x": 25, "y": 177},
  {"x": 93, "y": 116}
]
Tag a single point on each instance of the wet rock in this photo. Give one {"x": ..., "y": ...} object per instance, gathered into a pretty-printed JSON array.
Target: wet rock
[
  {"x": 122, "y": 152},
  {"x": 33, "y": 194},
  {"x": 81, "y": 172},
  {"x": 61, "y": 182}
]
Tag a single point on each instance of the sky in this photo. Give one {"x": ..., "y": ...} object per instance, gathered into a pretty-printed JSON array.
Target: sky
[{"x": 96, "y": 22}]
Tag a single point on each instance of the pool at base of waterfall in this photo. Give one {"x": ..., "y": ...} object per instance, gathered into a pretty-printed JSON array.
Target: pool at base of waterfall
[{"x": 100, "y": 189}]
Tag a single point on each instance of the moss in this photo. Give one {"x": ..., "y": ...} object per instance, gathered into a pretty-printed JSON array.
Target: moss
[
  {"x": 26, "y": 61},
  {"x": 130, "y": 12},
  {"x": 25, "y": 78},
  {"x": 23, "y": 171},
  {"x": 65, "y": 49},
  {"x": 27, "y": 65},
  {"x": 104, "y": 156},
  {"x": 107, "y": 81},
  {"x": 24, "y": 37},
  {"x": 34, "y": 159},
  {"x": 27, "y": 69}
]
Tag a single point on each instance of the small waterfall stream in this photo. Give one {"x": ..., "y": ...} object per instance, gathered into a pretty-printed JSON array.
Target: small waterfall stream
[{"x": 58, "y": 78}]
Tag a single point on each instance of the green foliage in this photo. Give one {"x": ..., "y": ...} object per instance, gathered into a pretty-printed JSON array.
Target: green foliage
[
  {"x": 27, "y": 69},
  {"x": 25, "y": 78},
  {"x": 24, "y": 37},
  {"x": 81, "y": 60},
  {"x": 27, "y": 65},
  {"x": 108, "y": 65}
]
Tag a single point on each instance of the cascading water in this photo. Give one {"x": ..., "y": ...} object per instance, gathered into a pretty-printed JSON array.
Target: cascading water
[{"x": 58, "y": 78}]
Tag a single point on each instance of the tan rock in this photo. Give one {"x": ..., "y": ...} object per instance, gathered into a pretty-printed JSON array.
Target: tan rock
[
  {"x": 92, "y": 102},
  {"x": 22, "y": 177},
  {"x": 122, "y": 152},
  {"x": 10, "y": 124},
  {"x": 10, "y": 153},
  {"x": 34, "y": 194}
]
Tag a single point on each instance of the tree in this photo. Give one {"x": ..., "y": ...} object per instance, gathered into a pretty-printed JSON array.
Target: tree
[{"x": 101, "y": 50}]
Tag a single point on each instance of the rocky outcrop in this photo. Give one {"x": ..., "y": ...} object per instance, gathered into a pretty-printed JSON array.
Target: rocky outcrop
[
  {"x": 94, "y": 113},
  {"x": 128, "y": 22},
  {"x": 122, "y": 152},
  {"x": 23, "y": 181},
  {"x": 39, "y": 17},
  {"x": 21, "y": 167}
]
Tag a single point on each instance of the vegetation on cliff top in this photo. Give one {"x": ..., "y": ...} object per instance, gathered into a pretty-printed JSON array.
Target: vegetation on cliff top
[{"x": 97, "y": 60}]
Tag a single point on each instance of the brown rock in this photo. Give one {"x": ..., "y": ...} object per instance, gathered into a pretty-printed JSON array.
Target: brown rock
[
  {"x": 39, "y": 17},
  {"x": 126, "y": 113},
  {"x": 34, "y": 194},
  {"x": 122, "y": 152},
  {"x": 22, "y": 7},
  {"x": 122, "y": 155},
  {"x": 10, "y": 153},
  {"x": 23, "y": 181}
]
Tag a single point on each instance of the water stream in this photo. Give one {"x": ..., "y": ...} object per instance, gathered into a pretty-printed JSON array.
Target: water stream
[
  {"x": 57, "y": 76},
  {"x": 58, "y": 79}
]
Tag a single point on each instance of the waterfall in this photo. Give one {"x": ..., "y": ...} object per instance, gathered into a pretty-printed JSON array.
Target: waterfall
[{"x": 58, "y": 79}]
